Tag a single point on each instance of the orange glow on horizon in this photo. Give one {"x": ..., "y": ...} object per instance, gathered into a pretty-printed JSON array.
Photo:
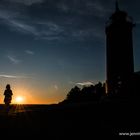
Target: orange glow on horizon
[
  {"x": 25, "y": 96},
  {"x": 22, "y": 95},
  {"x": 28, "y": 95}
]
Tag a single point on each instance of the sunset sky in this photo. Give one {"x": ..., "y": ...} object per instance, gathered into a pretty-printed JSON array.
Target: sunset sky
[{"x": 49, "y": 46}]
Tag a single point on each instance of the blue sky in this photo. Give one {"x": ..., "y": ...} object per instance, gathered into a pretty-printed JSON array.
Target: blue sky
[{"x": 48, "y": 46}]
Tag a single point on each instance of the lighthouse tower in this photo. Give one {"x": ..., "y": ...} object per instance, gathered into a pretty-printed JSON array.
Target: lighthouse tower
[{"x": 119, "y": 50}]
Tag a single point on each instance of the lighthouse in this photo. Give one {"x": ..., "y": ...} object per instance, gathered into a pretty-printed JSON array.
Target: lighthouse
[{"x": 119, "y": 50}]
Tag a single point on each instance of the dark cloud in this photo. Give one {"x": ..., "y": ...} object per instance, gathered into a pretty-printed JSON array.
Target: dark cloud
[
  {"x": 55, "y": 20},
  {"x": 25, "y": 2}
]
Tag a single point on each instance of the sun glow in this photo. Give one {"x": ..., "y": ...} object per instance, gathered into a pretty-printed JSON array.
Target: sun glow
[{"x": 19, "y": 99}]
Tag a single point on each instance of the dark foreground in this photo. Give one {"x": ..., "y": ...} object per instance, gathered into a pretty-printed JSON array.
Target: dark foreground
[{"x": 71, "y": 121}]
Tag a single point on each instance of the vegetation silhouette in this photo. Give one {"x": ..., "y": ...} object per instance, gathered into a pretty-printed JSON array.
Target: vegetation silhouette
[
  {"x": 86, "y": 94},
  {"x": 8, "y": 95}
]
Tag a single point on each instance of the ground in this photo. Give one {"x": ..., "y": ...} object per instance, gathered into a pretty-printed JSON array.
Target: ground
[{"x": 70, "y": 121}]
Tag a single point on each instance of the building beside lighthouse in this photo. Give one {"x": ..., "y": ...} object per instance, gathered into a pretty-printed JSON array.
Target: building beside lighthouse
[{"x": 119, "y": 51}]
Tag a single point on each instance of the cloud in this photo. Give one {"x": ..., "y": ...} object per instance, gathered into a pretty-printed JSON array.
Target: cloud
[
  {"x": 70, "y": 26},
  {"x": 55, "y": 87},
  {"x": 63, "y": 7},
  {"x": 11, "y": 17},
  {"x": 54, "y": 27},
  {"x": 49, "y": 38},
  {"x": 13, "y": 59},
  {"x": 96, "y": 5},
  {"x": 50, "y": 30},
  {"x": 85, "y": 83},
  {"x": 22, "y": 27},
  {"x": 41, "y": 30},
  {"x": 29, "y": 52},
  {"x": 88, "y": 33},
  {"x": 97, "y": 8},
  {"x": 26, "y": 2},
  {"x": 12, "y": 76},
  {"x": 7, "y": 14}
]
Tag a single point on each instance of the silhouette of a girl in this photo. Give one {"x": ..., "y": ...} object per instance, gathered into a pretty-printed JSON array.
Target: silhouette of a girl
[{"x": 8, "y": 95}]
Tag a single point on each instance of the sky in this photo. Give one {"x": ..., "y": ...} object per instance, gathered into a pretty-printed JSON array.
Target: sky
[{"x": 49, "y": 46}]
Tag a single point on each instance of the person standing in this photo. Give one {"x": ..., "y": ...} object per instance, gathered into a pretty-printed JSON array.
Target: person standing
[{"x": 8, "y": 95}]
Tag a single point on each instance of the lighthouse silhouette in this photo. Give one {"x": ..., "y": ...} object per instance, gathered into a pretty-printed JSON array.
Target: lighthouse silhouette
[{"x": 119, "y": 50}]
